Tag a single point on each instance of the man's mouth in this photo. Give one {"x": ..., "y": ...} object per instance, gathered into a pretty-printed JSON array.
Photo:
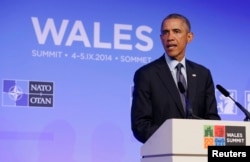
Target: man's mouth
[{"x": 171, "y": 46}]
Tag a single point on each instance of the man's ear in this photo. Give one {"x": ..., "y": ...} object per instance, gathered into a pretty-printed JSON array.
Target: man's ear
[{"x": 190, "y": 36}]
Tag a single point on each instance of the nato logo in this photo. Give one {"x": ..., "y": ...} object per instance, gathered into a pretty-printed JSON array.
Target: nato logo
[{"x": 21, "y": 93}]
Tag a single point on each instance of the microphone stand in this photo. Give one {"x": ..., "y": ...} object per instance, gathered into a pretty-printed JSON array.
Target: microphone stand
[
  {"x": 189, "y": 109},
  {"x": 247, "y": 114},
  {"x": 227, "y": 94}
]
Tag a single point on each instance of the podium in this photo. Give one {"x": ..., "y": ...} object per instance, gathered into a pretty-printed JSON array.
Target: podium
[{"x": 186, "y": 140}]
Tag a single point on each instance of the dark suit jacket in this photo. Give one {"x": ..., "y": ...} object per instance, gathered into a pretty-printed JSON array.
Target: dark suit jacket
[{"x": 156, "y": 97}]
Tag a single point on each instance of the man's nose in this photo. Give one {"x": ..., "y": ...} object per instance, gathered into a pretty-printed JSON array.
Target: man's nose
[{"x": 170, "y": 36}]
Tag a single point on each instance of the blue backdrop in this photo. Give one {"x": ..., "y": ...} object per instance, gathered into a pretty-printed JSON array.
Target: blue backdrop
[{"x": 67, "y": 69}]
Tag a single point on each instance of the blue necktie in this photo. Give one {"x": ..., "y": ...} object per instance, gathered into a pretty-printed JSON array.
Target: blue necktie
[{"x": 181, "y": 79}]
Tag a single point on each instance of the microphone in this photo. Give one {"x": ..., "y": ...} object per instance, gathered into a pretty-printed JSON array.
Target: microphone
[
  {"x": 181, "y": 88},
  {"x": 189, "y": 108},
  {"x": 223, "y": 90},
  {"x": 227, "y": 94}
]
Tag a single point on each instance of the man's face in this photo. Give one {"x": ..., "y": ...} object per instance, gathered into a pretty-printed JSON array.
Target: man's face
[{"x": 174, "y": 37}]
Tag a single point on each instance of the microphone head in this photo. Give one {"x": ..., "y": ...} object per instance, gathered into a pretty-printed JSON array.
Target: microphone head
[
  {"x": 181, "y": 87},
  {"x": 222, "y": 90}
]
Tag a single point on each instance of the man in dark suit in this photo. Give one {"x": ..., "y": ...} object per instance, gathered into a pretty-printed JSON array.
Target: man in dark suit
[{"x": 156, "y": 95}]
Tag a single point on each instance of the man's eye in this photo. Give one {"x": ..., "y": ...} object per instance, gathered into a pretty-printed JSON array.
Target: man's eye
[
  {"x": 177, "y": 31},
  {"x": 163, "y": 32}
]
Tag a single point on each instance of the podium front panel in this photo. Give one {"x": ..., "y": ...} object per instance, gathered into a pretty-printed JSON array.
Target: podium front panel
[{"x": 180, "y": 137}]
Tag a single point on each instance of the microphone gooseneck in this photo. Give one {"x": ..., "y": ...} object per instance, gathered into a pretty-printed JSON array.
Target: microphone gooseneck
[
  {"x": 189, "y": 108},
  {"x": 227, "y": 94}
]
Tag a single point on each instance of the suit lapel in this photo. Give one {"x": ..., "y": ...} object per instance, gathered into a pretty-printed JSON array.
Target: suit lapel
[
  {"x": 166, "y": 77},
  {"x": 192, "y": 81}
]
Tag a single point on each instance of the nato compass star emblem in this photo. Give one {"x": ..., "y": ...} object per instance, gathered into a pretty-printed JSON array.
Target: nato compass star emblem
[{"x": 15, "y": 93}]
